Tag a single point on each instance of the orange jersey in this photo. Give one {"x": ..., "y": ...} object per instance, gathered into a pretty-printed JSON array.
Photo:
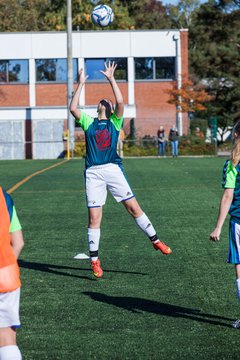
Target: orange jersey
[{"x": 9, "y": 270}]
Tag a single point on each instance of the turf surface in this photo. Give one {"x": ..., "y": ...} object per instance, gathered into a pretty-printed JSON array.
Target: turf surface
[{"x": 147, "y": 306}]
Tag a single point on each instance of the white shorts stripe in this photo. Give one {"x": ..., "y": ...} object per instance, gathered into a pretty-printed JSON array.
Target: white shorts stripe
[{"x": 234, "y": 243}]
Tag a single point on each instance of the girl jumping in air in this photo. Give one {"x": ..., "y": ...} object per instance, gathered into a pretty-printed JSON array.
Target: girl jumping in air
[{"x": 103, "y": 170}]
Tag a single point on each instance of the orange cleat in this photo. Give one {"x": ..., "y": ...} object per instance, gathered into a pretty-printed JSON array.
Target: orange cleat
[
  {"x": 159, "y": 245},
  {"x": 96, "y": 267}
]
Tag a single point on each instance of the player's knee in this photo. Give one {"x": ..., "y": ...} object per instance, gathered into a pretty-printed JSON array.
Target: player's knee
[
  {"x": 94, "y": 221},
  {"x": 7, "y": 336},
  {"x": 135, "y": 211},
  {"x": 133, "y": 207}
]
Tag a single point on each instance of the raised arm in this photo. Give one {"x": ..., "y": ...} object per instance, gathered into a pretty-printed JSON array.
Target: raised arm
[
  {"x": 75, "y": 100},
  {"x": 109, "y": 74}
]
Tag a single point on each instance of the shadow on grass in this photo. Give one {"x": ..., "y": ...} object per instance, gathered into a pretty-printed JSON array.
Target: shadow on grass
[
  {"x": 138, "y": 305},
  {"x": 52, "y": 269},
  {"x": 55, "y": 269}
]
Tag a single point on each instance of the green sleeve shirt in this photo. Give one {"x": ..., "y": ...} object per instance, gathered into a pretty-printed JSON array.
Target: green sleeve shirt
[
  {"x": 15, "y": 223},
  {"x": 231, "y": 180}
]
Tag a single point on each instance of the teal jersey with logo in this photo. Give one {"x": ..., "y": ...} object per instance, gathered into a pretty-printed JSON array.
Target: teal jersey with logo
[
  {"x": 101, "y": 139},
  {"x": 231, "y": 180}
]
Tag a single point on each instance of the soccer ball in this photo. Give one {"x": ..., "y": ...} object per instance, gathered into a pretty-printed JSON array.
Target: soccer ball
[{"x": 102, "y": 15}]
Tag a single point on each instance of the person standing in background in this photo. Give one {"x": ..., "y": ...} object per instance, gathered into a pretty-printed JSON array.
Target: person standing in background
[
  {"x": 173, "y": 137},
  {"x": 161, "y": 142}
]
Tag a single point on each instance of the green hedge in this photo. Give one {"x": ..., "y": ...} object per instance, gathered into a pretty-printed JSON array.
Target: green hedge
[
  {"x": 188, "y": 145},
  {"x": 202, "y": 124},
  {"x": 80, "y": 149}
]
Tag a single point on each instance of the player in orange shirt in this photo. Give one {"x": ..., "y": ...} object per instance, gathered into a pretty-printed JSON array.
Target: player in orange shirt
[{"x": 11, "y": 244}]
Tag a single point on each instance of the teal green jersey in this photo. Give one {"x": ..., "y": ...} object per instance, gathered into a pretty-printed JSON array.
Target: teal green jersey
[
  {"x": 101, "y": 139},
  {"x": 231, "y": 180}
]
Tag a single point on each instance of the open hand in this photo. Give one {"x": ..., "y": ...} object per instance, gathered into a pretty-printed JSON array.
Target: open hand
[
  {"x": 109, "y": 70},
  {"x": 82, "y": 78}
]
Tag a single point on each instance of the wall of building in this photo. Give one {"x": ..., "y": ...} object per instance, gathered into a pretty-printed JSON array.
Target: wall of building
[
  {"x": 41, "y": 107},
  {"x": 12, "y": 139},
  {"x": 14, "y": 95},
  {"x": 51, "y": 95}
]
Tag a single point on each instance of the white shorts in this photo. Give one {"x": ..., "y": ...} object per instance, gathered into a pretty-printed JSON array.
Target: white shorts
[
  {"x": 234, "y": 243},
  {"x": 99, "y": 179},
  {"x": 9, "y": 309}
]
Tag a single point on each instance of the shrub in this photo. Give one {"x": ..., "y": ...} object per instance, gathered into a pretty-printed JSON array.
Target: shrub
[
  {"x": 202, "y": 124},
  {"x": 188, "y": 145},
  {"x": 80, "y": 149}
]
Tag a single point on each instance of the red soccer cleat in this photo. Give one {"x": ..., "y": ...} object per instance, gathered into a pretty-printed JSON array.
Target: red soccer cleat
[
  {"x": 96, "y": 267},
  {"x": 159, "y": 245}
]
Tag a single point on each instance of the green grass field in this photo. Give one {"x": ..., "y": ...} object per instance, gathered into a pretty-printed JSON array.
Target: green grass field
[{"x": 148, "y": 306}]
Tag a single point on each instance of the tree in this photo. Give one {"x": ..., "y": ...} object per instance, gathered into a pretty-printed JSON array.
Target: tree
[
  {"x": 214, "y": 57},
  {"x": 189, "y": 98},
  {"x": 182, "y": 14},
  {"x": 148, "y": 14},
  {"x": 50, "y": 15},
  {"x": 23, "y": 15},
  {"x": 81, "y": 15}
]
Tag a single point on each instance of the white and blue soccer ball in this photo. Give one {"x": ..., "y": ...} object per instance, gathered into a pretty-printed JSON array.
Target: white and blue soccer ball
[{"x": 102, "y": 15}]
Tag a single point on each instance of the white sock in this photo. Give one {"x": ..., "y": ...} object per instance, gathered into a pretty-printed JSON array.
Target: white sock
[
  {"x": 10, "y": 352},
  {"x": 146, "y": 226},
  {"x": 93, "y": 243},
  {"x": 238, "y": 289}
]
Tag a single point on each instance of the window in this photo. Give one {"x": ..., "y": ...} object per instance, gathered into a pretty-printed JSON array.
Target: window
[
  {"x": 92, "y": 67},
  {"x": 14, "y": 71},
  {"x": 54, "y": 70},
  {"x": 162, "y": 68},
  {"x": 165, "y": 68},
  {"x": 143, "y": 68}
]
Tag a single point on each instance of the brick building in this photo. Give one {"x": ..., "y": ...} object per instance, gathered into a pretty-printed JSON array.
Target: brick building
[{"x": 33, "y": 84}]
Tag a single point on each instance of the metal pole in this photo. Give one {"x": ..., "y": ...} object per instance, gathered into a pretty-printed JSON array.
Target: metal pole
[
  {"x": 176, "y": 38},
  {"x": 70, "y": 119}
]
